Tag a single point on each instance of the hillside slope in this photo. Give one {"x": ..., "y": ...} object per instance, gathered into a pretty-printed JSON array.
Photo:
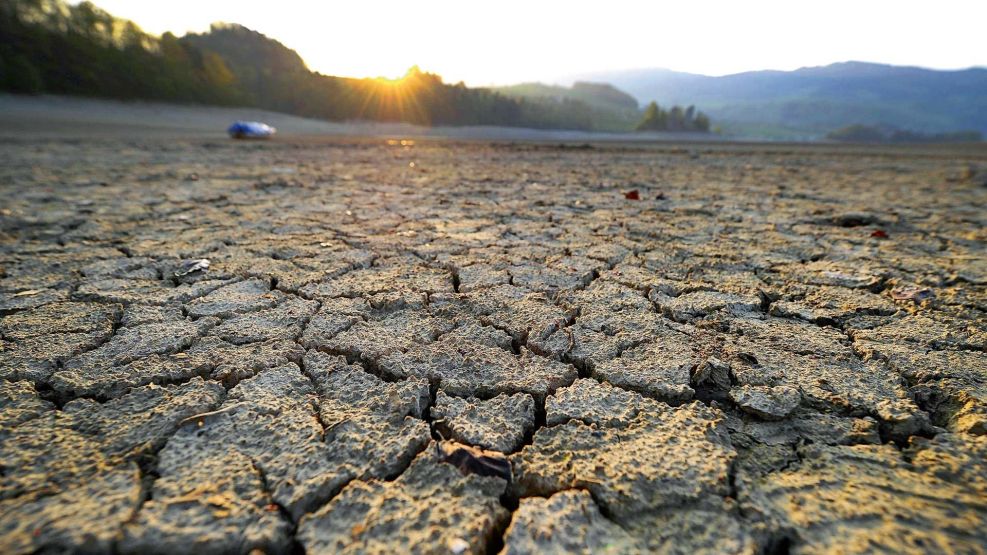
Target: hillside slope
[
  {"x": 597, "y": 95},
  {"x": 54, "y": 47},
  {"x": 602, "y": 106}
]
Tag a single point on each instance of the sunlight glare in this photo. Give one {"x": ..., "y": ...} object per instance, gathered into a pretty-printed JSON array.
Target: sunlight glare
[{"x": 511, "y": 41}]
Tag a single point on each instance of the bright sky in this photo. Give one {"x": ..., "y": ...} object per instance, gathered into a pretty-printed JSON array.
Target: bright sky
[{"x": 510, "y": 41}]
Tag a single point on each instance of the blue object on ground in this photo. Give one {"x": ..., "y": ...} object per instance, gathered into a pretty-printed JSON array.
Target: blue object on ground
[{"x": 251, "y": 130}]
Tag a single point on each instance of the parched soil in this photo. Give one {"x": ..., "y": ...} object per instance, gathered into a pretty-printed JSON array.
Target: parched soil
[{"x": 332, "y": 346}]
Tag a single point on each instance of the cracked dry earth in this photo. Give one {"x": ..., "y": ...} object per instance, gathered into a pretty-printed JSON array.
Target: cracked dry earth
[{"x": 776, "y": 349}]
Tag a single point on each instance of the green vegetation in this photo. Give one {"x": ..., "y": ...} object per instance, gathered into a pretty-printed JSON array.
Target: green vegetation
[
  {"x": 603, "y": 107},
  {"x": 48, "y": 46},
  {"x": 597, "y": 106},
  {"x": 595, "y": 95},
  {"x": 675, "y": 119},
  {"x": 884, "y": 134}
]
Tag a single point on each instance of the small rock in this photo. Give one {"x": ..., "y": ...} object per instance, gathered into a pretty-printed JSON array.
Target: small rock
[
  {"x": 901, "y": 418},
  {"x": 457, "y": 546},
  {"x": 914, "y": 294},
  {"x": 769, "y": 403},
  {"x": 713, "y": 374},
  {"x": 190, "y": 266}
]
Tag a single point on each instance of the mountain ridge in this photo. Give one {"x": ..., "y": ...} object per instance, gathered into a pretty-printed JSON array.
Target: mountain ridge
[
  {"x": 811, "y": 101},
  {"x": 601, "y": 95}
]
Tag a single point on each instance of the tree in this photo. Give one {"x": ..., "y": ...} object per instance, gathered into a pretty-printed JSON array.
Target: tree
[
  {"x": 702, "y": 122},
  {"x": 215, "y": 70},
  {"x": 21, "y": 76},
  {"x": 676, "y": 119},
  {"x": 655, "y": 119}
]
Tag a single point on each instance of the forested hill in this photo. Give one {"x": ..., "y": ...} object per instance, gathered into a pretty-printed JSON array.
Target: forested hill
[
  {"x": 48, "y": 46},
  {"x": 602, "y": 106},
  {"x": 597, "y": 95}
]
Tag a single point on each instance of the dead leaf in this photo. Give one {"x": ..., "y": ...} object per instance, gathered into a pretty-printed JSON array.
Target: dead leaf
[
  {"x": 470, "y": 460},
  {"x": 29, "y": 293},
  {"x": 190, "y": 266},
  {"x": 632, "y": 195},
  {"x": 915, "y": 294},
  {"x": 194, "y": 494},
  {"x": 220, "y": 500}
]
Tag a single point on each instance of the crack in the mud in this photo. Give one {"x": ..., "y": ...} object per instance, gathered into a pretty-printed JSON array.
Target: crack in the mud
[{"x": 295, "y": 547}]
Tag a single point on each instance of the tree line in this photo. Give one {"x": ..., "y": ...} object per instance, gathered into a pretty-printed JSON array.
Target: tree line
[
  {"x": 674, "y": 119},
  {"x": 49, "y": 46},
  {"x": 859, "y": 133}
]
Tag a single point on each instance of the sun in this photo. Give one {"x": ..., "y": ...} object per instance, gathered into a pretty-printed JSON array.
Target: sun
[
  {"x": 394, "y": 83},
  {"x": 399, "y": 99},
  {"x": 400, "y": 82}
]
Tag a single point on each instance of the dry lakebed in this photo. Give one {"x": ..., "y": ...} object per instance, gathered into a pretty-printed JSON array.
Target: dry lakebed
[{"x": 332, "y": 345}]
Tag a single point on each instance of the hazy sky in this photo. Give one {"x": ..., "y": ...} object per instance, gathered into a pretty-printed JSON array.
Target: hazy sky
[{"x": 508, "y": 41}]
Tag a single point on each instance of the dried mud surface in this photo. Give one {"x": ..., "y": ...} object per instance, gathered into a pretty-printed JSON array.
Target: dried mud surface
[{"x": 481, "y": 348}]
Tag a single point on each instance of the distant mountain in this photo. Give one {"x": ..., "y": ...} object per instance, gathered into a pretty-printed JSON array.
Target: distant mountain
[
  {"x": 810, "y": 102},
  {"x": 597, "y": 95},
  {"x": 601, "y": 107}
]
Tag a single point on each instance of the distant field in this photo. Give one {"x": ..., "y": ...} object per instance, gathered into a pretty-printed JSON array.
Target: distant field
[{"x": 58, "y": 116}]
